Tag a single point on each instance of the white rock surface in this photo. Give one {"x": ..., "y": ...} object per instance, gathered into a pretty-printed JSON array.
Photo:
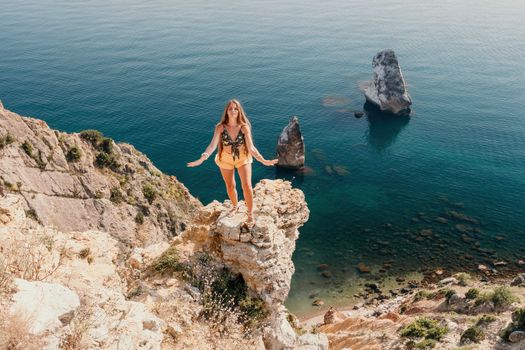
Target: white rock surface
[{"x": 43, "y": 304}]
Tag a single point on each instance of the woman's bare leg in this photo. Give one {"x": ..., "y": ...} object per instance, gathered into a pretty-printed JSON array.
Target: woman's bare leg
[
  {"x": 229, "y": 179},
  {"x": 245, "y": 173}
]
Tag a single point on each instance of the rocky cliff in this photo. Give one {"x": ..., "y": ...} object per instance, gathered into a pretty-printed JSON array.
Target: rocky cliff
[
  {"x": 84, "y": 181},
  {"x": 100, "y": 250}
]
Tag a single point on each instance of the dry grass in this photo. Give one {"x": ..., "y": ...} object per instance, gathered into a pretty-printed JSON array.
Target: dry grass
[
  {"x": 79, "y": 326},
  {"x": 222, "y": 298},
  {"x": 29, "y": 258},
  {"x": 14, "y": 333}
]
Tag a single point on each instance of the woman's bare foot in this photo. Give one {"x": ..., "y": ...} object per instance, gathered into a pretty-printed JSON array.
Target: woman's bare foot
[
  {"x": 250, "y": 221},
  {"x": 233, "y": 210}
]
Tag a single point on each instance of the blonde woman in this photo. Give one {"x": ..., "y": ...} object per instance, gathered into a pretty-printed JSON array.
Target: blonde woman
[{"x": 234, "y": 138}]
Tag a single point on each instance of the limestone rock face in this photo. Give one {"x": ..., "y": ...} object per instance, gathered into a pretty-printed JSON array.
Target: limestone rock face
[
  {"x": 388, "y": 89},
  {"x": 131, "y": 198},
  {"x": 43, "y": 303},
  {"x": 93, "y": 301},
  {"x": 290, "y": 146},
  {"x": 263, "y": 254}
]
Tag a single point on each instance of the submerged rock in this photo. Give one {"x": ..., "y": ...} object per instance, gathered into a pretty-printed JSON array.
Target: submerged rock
[
  {"x": 363, "y": 268},
  {"x": 290, "y": 146},
  {"x": 388, "y": 89}
]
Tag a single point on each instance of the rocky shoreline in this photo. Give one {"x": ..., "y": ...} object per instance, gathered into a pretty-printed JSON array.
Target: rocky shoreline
[{"x": 457, "y": 302}]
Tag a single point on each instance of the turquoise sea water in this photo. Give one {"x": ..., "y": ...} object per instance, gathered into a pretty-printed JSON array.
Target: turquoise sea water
[{"x": 157, "y": 74}]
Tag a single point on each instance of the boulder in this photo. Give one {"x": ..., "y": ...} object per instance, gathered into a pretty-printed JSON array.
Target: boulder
[
  {"x": 448, "y": 280},
  {"x": 290, "y": 146},
  {"x": 516, "y": 336},
  {"x": 388, "y": 90},
  {"x": 333, "y": 316},
  {"x": 310, "y": 341},
  {"x": 280, "y": 335},
  {"x": 518, "y": 280}
]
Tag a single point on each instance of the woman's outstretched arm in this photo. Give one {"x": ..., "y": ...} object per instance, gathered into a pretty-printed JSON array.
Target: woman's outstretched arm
[
  {"x": 210, "y": 149},
  {"x": 253, "y": 151}
]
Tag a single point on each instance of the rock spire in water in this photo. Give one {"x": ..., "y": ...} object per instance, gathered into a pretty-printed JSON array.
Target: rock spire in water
[
  {"x": 290, "y": 146},
  {"x": 388, "y": 89}
]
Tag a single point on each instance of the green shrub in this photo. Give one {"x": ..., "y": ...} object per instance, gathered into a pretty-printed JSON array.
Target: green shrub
[
  {"x": 105, "y": 160},
  {"x": 168, "y": 262},
  {"x": 93, "y": 136},
  {"x": 31, "y": 213},
  {"x": 518, "y": 323},
  {"x": 449, "y": 293},
  {"x": 483, "y": 298},
  {"x": 106, "y": 145},
  {"x": 6, "y": 140},
  {"x": 424, "y": 328},
  {"x": 149, "y": 193},
  {"x": 485, "y": 319},
  {"x": 426, "y": 344},
  {"x": 518, "y": 318},
  {"x": 11, "y": 187},
  {"x": 463, "y": 278},
  {"x": 472, "y": 293},
  {"x": 74, "y": 154},
  {"x": 27, "y": 146},
  {"x": 228, "y": 292},
  {"x": 116, "y": 196},
  {"x": 39, "y": 161},
  {"x": 503, "y": 297},
  {"x": 139, "y": 218},
  {"x": 473, "y": 334},
  {"x": 436, "y": 332},
  {"x": 423, "y": 294},
  {"x": 252, "y": 310}
]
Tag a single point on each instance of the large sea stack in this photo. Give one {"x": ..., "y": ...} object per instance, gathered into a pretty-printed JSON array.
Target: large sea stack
[
  {"x": 290, "y": 146},
  {"x": 388, "y": 89}
]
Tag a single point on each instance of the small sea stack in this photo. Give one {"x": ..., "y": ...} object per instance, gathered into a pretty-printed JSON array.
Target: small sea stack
[
  {"x": 290, "y": 146},
  {"x": 388, "y": 90}
]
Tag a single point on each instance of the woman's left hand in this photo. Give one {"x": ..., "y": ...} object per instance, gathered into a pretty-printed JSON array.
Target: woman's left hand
[
  {"x": 195, "y": 163},
  {"x": 269, "y": 162}
]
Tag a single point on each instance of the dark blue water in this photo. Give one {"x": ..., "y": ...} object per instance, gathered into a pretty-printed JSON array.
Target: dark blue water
[{"x": 157, "y": 74}]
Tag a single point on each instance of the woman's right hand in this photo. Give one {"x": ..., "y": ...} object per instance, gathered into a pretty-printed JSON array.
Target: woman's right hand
[
  {"x": 269, "y": 162},
  {"x": 195, "y": 163}
]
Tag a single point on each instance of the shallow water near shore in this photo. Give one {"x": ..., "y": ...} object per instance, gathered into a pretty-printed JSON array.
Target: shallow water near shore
[{"x": 443, "y": 189}]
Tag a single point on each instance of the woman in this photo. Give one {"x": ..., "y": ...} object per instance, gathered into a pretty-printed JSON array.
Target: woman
[{"x": 236, "y": 148}]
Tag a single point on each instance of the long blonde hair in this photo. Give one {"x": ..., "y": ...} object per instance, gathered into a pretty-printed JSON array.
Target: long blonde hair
[{"x": 242, "y": 119}]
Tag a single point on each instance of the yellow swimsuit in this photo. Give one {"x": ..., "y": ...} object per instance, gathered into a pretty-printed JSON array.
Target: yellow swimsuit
[{"x": 235, "y": 159}]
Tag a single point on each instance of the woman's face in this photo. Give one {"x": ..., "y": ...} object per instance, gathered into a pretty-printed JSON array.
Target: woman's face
[{"x": 233, "y": 111}]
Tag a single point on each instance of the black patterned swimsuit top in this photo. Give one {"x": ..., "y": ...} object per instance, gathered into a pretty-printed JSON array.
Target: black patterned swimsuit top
[{"x": 227, "y": 141}]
